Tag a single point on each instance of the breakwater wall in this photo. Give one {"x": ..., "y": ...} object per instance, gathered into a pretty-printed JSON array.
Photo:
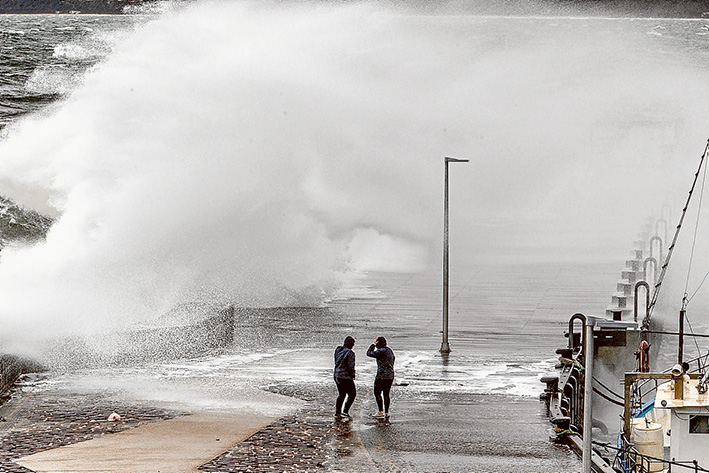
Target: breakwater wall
[
  {"x": 11, "y": 368},
  {"x": 198, "y": 333},
  {"x": 196, "y": 338}
]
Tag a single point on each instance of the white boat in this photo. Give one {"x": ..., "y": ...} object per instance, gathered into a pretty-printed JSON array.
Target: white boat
[{"x": 664, "y": 415}]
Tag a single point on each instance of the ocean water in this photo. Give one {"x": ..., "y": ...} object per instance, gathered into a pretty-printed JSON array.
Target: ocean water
[
  {"x": 290, "y": 159},
  {"x": 45, "y": 57}
]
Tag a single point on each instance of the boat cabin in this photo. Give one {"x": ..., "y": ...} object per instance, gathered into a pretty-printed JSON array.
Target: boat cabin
[{"x": 685, "y": 420}]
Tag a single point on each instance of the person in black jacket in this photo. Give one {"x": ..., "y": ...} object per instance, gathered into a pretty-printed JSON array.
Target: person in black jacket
[
  {"x": 344, "y": 378},
  {"x": 385, "y": 374}
]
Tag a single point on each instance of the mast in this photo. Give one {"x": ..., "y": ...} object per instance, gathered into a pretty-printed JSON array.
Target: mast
[{"x": 656, "y": 292}]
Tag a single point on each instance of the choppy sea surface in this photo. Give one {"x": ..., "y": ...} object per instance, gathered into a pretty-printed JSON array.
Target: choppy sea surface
[
  {"x": 506, "y": 318},
  {"x": 42, "y": 58}
]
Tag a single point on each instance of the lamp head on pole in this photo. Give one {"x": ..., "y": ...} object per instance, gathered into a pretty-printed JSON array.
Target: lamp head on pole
[{"x": 456, "y": 160}]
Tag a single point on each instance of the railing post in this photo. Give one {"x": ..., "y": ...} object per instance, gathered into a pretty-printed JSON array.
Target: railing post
[
  {"x": 657, "y": 230},
  {"x": 652, "y": 260},
  {"x": 582, "y": 318},
  {"x": 647, "y": 298},
  {"x": 587, "y": 398},
  {"x": 626, "y": 404}
]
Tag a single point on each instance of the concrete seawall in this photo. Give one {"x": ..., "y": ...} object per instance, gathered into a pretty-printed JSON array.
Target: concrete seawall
[
  {"x": 196, "y": 338},
  {"x": 11, "y": 368},
  {"x": 197, "y": 333}
]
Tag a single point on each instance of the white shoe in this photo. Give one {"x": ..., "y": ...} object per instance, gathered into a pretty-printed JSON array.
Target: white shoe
[{"x": 378, "y": 415}]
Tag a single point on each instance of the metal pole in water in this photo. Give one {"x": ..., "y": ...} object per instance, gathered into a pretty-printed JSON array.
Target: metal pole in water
[
  {"x": 445, "y": 346},
  {"x": 587, "y": 398}
]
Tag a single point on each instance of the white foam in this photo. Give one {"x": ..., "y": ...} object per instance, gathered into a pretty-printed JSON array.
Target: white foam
[
  {"x": 426, "y": 372},
  {"x": 54, "y": 79},
  {"x": 74, "y": 51},
  {"x": 421, "y": 372},
  {"x": 354, "y": 285}
]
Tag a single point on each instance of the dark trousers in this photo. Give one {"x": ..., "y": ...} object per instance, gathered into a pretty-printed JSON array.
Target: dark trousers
[
  {"x": 381, "y": 391},
  {"x": 345, "y": 387}
]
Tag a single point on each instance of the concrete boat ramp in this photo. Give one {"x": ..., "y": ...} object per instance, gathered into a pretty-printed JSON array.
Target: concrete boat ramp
[{"x": 177, "y": 445}]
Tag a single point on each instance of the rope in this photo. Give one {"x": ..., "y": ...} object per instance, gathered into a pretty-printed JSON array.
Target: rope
[
  {"x": 698, "y": 288},
  {"x": 597, "y": 381},
  {"x": 656, "y": 292},
  {"x": 607, "y": 398},
  {"x": 661, "y": 332},
  {"x": 699, "y": 352},
  {"x": 570, "y": 362},
  {"x": 694, "y": 239},
  {"x": 564, "y": 433},
  {"x": 667, "y": 462},
  {"x": 701, "y": 362}
]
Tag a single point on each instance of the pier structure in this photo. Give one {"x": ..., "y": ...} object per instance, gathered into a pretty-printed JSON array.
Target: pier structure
[
  {"x": 612, "y": 341},
  {"x": 641, "y": 266}
]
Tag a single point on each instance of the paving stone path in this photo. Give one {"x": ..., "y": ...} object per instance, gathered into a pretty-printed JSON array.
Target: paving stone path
[
  {"x": 290, "y": 444},
  {"x": 37, "y": 422},
  {"x": 308, "y": 441}
]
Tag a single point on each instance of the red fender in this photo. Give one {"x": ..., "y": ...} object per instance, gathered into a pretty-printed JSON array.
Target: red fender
[{"x": 644, "y": 357}]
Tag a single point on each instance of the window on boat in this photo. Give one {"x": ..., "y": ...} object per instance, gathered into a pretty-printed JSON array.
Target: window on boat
[{"x": 699, "y": 424}]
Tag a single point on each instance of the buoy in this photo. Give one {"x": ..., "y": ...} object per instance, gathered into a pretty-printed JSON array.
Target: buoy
[{"x": 114, "y": 417}]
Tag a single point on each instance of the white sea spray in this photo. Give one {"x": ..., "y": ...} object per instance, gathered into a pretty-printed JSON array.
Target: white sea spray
[{"x": 250, "y": 154}]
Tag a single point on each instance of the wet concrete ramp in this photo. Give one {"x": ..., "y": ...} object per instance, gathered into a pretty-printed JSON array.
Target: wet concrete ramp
[{"x": 177, "y": 445}]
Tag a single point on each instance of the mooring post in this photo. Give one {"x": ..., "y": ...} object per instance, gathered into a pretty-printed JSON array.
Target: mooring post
[{"x": 587, "y": 396}]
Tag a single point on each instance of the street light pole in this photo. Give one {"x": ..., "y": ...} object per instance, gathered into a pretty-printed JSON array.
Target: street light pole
[{"x": 445, "y": 347}]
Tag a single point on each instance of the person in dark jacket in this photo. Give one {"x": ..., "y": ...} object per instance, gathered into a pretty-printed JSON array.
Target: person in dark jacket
[
  {"x": 344, "y": 378},
  {"x": 385, "y": 374}
]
